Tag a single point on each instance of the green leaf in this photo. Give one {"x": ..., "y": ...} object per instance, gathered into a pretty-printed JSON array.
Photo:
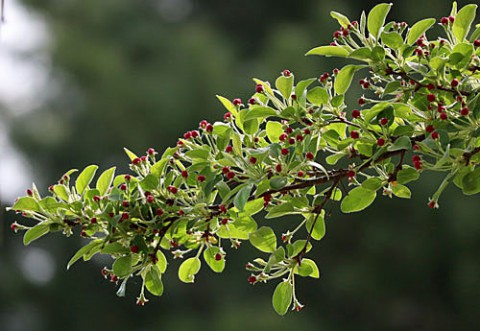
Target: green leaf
[
  {"x": 259, "y": 112},
  {"x": 131, "y": 155},
  {"x": 85, "y": 177},
  {"x": 401, "y": 191},
  {"x": 471, "y": 182},
  {"x": 357, "y": 199},
  {"x": 282, "y": 297},
  {"x": 209, "y": 257},
  {"x": 402, "y": 142},
  {"x": 407, "y": 175},
  {"x": 228, "y": 105},
  {"x": 392, "y": 39},
  {"x": 285, "y": 85},
  {"x": 318, "y": 228},
  {"x": 36, "y": 232},
  {"x": 153, "y": 281},
  {"x": 280, "y": 210},
  {"x": 274, "y": 130},
  {"x": 84, "y": 251},
  {"x": 26, "y": 204},
  {"x": 122, "y": 266},
  {"x": 162, "y": 261},
  {"x": 418, "y": 29},
  {"x": 264, "y": 239},
  {"x": 278, "y": 182},
  {"x": 376, "y": 18},
  {"x": 463, "y": 21},
  {"x": 318, "y": 96},
  {"x": 345, "y": 77},
  {"x": 105, "y": 180},
  {"x": 342, "y": 19},
  {"x": 373, "y": 183},
  {"x": 329, "y": 51},
  {"x": 308, "y": 268},
  {"x": 302, "y": 85},
  {"x": 188, "y": 269},
  {"x": 252, "y": 207},
  {"x": 62, "y": 192},
  {"x": 242, "y": 196}
]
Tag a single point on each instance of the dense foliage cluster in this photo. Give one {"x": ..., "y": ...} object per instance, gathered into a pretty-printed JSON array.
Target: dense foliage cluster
[{"x": 292, "y": 148}]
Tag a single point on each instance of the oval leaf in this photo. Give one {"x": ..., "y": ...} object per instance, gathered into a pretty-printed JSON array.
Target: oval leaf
[
  {"x": 282, "y": 297},
  {"x": 188, "y": 269},
  {"x": 105, "y": 180},
  {"x": 153, "y": 281},
  {"x": 463, "y": 21},
  {"x": 328, "y": 51},
  {"x": 122, "y": 266},
  {"x": 418, "y": 29},
  {"x": 85, "y": 178},
  {"x": 376, "y": 18},
  {"x": 36, "y": 232},
  {"x": 357, "y": 199},
  {"x": 264, "y": 239}
]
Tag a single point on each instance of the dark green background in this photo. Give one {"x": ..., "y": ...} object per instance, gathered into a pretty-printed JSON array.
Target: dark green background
[{"x": 129, "y": 76}]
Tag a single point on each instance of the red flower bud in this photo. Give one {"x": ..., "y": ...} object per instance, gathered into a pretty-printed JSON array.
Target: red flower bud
[
  {"x": 134, "y": 249},
  {"x": 218, "y": 257},
  {"x": 356, "y": 113},
  {"x": 230, "y": 175},
  {"x": 125, "y": 216},
  {"x": 309, "y": 156},
  {"x": 150, "y": 198},
  {"x": 380, "y": 142},
  {"x": 430, "y": 128},
  {"x": 384, "y": 121},
  {"x": 201, "y": 178},
  {"x": 354, "y": 135},
  {"x": 435, "y": 135},
  {"x": 464, "y": 111},
  {"x": 172, "y": 189},
  {"x": 151, "y": 151},
  {"x": 253, "y": 160},
  {"x": 431, "y": 97},
  {"x": 278, "y": 167},
  {"x": 283, "y": 137},
  {"x": 286, "y": 73},
  {"x": 237, "y": 102},
  {"x": 252, "y": 279},
  {"x": 351, "y": 174},
  {"x": 184, "y": 173},
  {"x": 259, "y": 88},
  {"x": 285, "y": 151},
  {"x": 159, "y": 212},
  {"x": 209, "y": 128},
  {"x": 228, "y": 149},
  {"x": 454, "y": 83}
]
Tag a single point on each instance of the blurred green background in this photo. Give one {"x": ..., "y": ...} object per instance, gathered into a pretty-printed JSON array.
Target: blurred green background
[{"x": 139, "y": 74}]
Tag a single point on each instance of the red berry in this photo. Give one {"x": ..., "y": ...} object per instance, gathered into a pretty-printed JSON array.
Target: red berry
[
  {"x": 476, "y": 43},
  {"x": 225, "y": 170},
  {"x": 151, "y": 151},
  {"x": 454, "y": 83},
  {"x": 440, "y": 108},
  {"x": 464, "y": 111},
  {"x": 252, "y": 101},
  {"x": 420, "y": 42},
  {"x": 123, "y": 187},
  {"x": 203, "y": 124},
  {"x": 223, "y": 209},
  {"x": 143, "y": 158},
  {"x": 336, "y": 71},
  {"x": 136, "y": 161},
  {"x": 431, "y": 97},
  {"x": 443, "y": 116},
  {"x": 125, "y": 216},
  {"x": 134, "y": 249},
  {"x": 337, "y": 34},
  {"x": 201, "y": 178},
  {"x": 354, "y": 135},
  {"x": 125, "y": 203},
  {"x": 172, "y": 189},
  {"x": 224, "y": 221},
  {"x": 417, "y": 165},
  {"x": 227, "y": 116},
  {"x": 309, "y": 156},
  {"x": 218, "y": 257},
  {"x": 29, "y": 192},
  {"x": 384, "y": 121},
  {"x": 231, "y": 175},
  {"x": 291, "y": 141},
  {"x": 416, "y": 158},
  {"x": 366, "y": 85},
  {"x": 380, "y": 142},
  {"x": 299, "y": 137},
  {"x": 416, "y": 147},
  {"x": 184, "y": 173},
  {"x": 430, "y": 128},
  {"x": 306, "y": 131},
  {"x": 430, "y": 86},
  {"x": 209, "y": 128},
  {"x": 128, "y": 178},
  {"x": 229, "y": 149},
  {"x": 451, "y": 19},
  {"x": 252, "y": 279},
  {"x": 444, "y": 20},
  {"x": 362, "y": 101},
  {"x": 435, "y": 135},
  {"x": 259, "y": 88},
  {"x": 159, "y": 212},
  {"x": 283, "y": 137},
  {"x": 237, "y": 102},
  {"x": 285, "y": 151},
  {"x": 418, "y": 52},
  {"x": 286, "y": 73},
  {"x": 300, "y": 173},
  {"x": 181, "y": 212},
  {"x": 253, "y": 160},
  {"x": 150, "y": 199},
  {"x": 289, "y": 130},
  {"x": 356, "y": 113},
  {"x": 96, "y": 198},
  {"x": 278, "y": 167},
  {"x": 93, "y": 220},
  {"x": 345, "y": 33},
  {"x": 83, "y": 233}
]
